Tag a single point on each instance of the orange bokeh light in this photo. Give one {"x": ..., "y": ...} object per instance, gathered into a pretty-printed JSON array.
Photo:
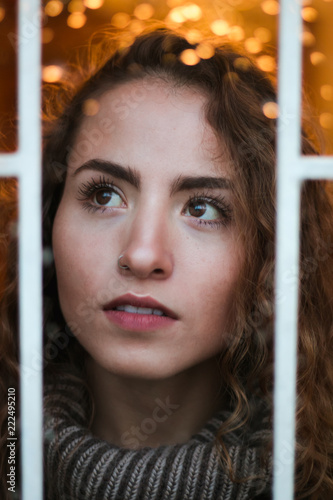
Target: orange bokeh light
[
  {"x": 309, "y": 14},
  {"x": 270, "y": 7},
  {"x": 76, "y": 6},
  {"x": 253, "y": 45},
  {"x": 52, "y": 73},
  {"x": 326, "y": 120},
  {"x": 271, "y": 109},
  {"x": 220, "y": 27},
  {"x": 263, "y": 34},
  {"x": 90, "y": 107},
  {"x": 266, "y": 63},
  {"x": 242, "y": 63},
  {"x": 47, "y": 35},
  {"x": 192, "y": 11},
  {"x": 120, "y": 20},
  {"x": 194, "y": 36},
  {"x": 326, "y": 92},
  {"x": 136, "y": 27},
  {"x": 317, "y": 58},
  {"x": 144, "y": 11},
  {"x": 53, "y": 8},
  {"x": 76, "y": 20},
  {"x": 236, "y": 34},
  {"x": 308, "y": 39},
  {"x": 189, "y": 57},
  {"x": 205, "y": 50},
  {"x": 176, "y": 15},
  {"x": 93, "y": 4}
]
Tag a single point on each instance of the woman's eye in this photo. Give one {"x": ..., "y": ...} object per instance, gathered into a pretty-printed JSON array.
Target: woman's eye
[
  {"x": 99, "y": 195},
  {"x": 207, "y": 211},
  {"x": 201, "y": 209},
  {"x": 107, "y": 198}
]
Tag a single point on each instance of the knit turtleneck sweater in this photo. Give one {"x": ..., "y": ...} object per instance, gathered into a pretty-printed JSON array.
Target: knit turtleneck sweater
[{"x": 79, "y": 466}]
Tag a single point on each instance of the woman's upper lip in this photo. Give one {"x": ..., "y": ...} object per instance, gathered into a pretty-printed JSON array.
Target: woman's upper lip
[{"x": 140, "y": 301}]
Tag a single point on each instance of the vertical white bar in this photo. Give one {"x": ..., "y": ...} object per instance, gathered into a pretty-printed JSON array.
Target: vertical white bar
[
  {"x": 287, "y": 272},
  {"x": 30, "y": 248}
]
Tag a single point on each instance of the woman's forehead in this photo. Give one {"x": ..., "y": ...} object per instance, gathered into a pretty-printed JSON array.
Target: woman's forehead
[
  {"x": 149, "y": 120},
  {"x": 155, "y": 87},
  {"x": 154, "y": 96}
]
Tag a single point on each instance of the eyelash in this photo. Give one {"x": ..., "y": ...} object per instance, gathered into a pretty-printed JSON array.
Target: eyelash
[
  {"x": 88, "y": 189},
  {"x": 219, "y": 202}
]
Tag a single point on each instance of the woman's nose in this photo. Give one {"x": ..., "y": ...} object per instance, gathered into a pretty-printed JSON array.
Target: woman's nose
[{"x": 147, "y": 250}]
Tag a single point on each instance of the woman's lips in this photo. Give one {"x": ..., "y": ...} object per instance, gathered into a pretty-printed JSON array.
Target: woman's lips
[
  {"x": 138, "y": 313},
  {"x": 138, "y": 322}
]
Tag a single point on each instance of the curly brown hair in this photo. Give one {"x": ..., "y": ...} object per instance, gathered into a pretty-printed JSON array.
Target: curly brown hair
[{"x": 236, "y": 91}]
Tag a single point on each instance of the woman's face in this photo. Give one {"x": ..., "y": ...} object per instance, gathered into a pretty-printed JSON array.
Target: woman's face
[{"x": 147, "y": 181}]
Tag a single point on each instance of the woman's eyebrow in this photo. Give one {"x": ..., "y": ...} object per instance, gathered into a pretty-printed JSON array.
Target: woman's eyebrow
[
  {"x": 125, "y": 173},
  {"x": 130, "y": 175},
  {"x": 184, "y": 183}
]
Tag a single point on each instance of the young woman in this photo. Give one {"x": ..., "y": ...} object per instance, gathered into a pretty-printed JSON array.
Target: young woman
[{"x": 159, "y": 212}]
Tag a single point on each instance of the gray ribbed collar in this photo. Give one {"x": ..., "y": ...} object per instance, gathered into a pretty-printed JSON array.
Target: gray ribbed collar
[{"x": 79, "y": 466}]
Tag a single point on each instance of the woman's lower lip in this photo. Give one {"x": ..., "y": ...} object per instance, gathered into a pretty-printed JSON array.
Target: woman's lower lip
[{"x": 138, "y": 322}]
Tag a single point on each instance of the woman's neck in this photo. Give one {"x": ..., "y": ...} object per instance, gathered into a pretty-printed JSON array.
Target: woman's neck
[{"x": 134, "y": 413}]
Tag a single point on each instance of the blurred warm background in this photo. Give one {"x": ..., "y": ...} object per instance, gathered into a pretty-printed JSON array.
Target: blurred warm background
[{"x": 68, "y": 24}]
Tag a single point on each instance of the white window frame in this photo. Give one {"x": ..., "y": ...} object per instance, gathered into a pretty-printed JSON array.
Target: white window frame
[
  {"x": 25, "y": 165},
  {"x": 293, "y": 169}
]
